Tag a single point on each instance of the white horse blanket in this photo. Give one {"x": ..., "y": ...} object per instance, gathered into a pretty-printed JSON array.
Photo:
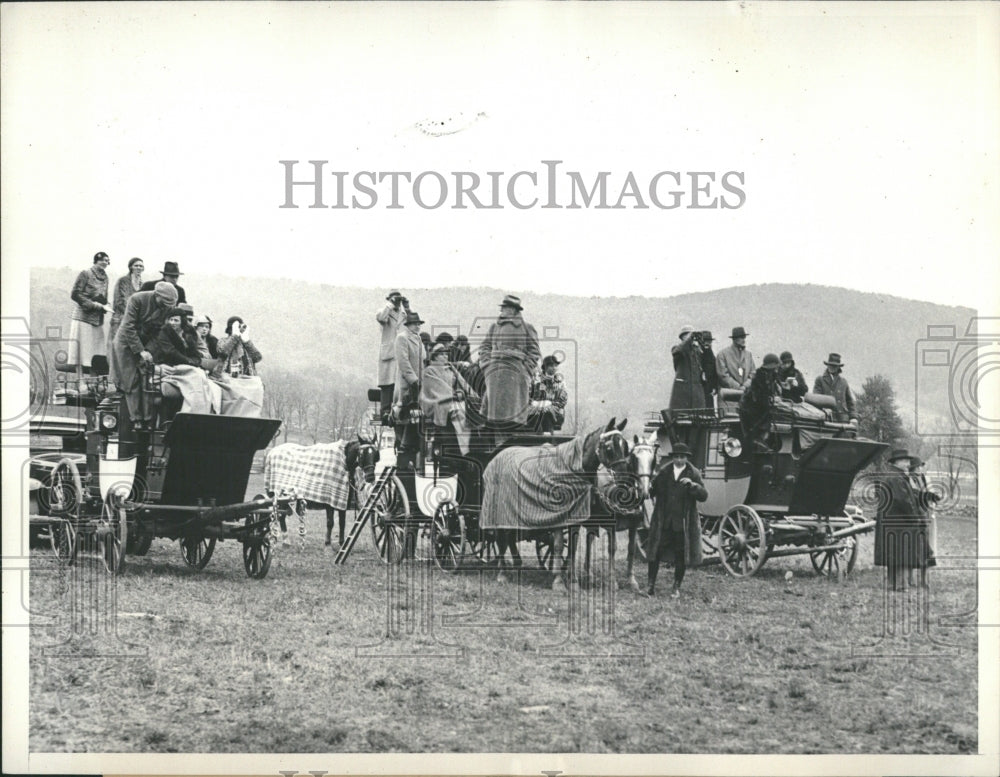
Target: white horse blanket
[
  {"x": 317, "y": 472},
  {"x": 536, "y": 488}
]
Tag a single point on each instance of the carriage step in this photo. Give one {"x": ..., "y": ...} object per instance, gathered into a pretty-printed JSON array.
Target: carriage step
[{"x": 364, "y": 514}]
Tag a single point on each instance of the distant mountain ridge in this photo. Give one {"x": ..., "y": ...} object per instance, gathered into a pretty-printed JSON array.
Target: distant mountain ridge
[{"x": 617, "y": 348}]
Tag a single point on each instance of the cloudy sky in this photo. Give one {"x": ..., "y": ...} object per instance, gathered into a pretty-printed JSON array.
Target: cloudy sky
[{"x": 866, "y": 139}]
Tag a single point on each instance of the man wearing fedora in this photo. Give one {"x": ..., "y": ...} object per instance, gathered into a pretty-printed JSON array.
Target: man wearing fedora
[
  {"x": 902, "y": 531},
  {"x": 833, "y": 384},
  {"x": 734, "y": 363},
  {"x": 675, "y": 529},
  {"x": 409, "y": 357},
  {"x": 508, "y": 356},
  {"x": 688, "y": 391},
  {"x": 390, "y": 317},
  {"x": 171, "y": 273}
]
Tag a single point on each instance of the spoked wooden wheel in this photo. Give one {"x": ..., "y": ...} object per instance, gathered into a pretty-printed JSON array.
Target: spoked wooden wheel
[
  {"x": 139, "y": 541},
  {"x": 485, "y": 549},
  {"x": 545, "y": 551},
  {"x": 65, "y": 502},
  {"x": 833, "y": 563},
  {"x": 709, "y": 531},
  {"x": 448, "y": 537},
  {"x": 197, "y": 551},
  {"x": 742, "y": 541},
  {"x": 388, "y": 535},
  {"x": 112, "y": 533}
]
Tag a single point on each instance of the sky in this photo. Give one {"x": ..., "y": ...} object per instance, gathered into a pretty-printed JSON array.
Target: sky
[{"x": 864, "y": 141}]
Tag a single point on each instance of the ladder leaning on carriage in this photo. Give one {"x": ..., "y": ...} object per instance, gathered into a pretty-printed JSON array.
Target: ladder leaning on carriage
[{"x": 780, "y": 492}]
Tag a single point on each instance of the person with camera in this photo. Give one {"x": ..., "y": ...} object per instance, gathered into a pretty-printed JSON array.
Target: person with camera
[
  {"x": 793, "y": 383},
  {"x": 390, "y": 318},
  {"x": 86, "y": 329},
  {"x": 237, "y": 352},
  {"x": 709, "y": 369},
  {"x": 409, "y": 356},
  {"x": 688, "y": 392},
  {"x": 832, "y": 384}
]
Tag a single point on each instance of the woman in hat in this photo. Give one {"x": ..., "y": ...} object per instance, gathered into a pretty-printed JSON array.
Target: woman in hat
[
  {"x": 236, "y": 350},
  {"x": 793, "y": 382},
  {"x": 125, "y": 287},
  {"x": 688, "y": 391},
  {"x": 548, "y": 398},
  {"x": 170, "y": 346},
  {"x": 757, "y": 401},
  {"x": 442, "y": 400},
  {"x": 86, "y": 329},
  {"x": 508, "y": 357},
  {"x": 675, "y": 529},
  {"x": 903, "y": 525}
]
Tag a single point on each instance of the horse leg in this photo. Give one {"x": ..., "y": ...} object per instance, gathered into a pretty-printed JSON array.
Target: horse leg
[
  {"x": 329, "y": 526},
  {"x": 633, "y": 538},
  {"x": 557, "y": 563},
  {"x": 343, "y": 523},
  {"x": 502, "y": 539}
]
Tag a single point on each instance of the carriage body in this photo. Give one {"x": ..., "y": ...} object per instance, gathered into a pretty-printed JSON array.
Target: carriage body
[
  {"x": 184, "y": 479},
  {"x": 784, "y": 492}
]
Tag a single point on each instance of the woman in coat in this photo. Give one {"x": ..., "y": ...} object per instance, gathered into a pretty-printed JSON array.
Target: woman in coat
[
  {"x": 171, "y": 347},
  {"x": 675, "y": 529},
  {"x": 86, "y": 329},
  {"x": 443, "y": 392},
  {"x": 903, "y": 524},
  {"x": 125, "y": 287},
  {"x": 688, "y": 392},
  {"x": 508, "y": 357},
  {"x": 236, "y": 350}
]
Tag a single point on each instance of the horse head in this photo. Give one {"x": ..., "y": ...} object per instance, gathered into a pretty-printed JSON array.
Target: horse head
[
  {"x": 642, "y": 461},
  {"x": 606, "y": 447},
  {"x": 361, "y": 454}
]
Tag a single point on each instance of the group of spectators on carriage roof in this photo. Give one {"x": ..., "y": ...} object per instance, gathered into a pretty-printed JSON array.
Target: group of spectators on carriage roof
[
  {"x": 500, "y": 388},
  {"x": 700, "y": 375},
  {"x": 151, "y": 323}
]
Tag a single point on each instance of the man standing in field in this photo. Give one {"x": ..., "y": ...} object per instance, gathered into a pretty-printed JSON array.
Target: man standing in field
[{"x": 409, "y": 356}]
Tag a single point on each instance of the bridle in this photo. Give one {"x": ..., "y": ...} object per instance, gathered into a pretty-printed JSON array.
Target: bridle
[{"x": 612, "y": 451}]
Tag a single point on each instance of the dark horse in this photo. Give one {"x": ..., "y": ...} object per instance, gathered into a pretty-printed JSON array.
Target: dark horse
[
  {"x": 360, "y": 456},
  {"x": 603, "y": 447}
]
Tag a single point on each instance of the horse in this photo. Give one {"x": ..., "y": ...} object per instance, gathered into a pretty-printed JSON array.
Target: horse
[
  {"x": 606, "y": 447},
  {"x": 359, "y": 458}
]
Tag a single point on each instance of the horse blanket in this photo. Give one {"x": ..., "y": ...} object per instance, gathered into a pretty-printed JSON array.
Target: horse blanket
[
  {"x": 200, "y": 394},
  {"x": 317, "y": 472},
  {"x": 536, "y": 488}
]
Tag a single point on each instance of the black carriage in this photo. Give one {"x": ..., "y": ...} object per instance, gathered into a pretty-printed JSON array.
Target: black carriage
[
  {"x": 180, "y": 476},
  {"x": 781, "y": 490}
]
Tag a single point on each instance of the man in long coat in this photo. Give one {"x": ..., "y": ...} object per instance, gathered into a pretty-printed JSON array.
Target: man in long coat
[
  {"x": 833, "y": 384},
  {"x": 902, "y": 531},
  {"x": 734, "y": 362},
  {"x": 409, "y": 356},
  {"x": 390, "y": 317},
  {"x": 688, "y": 392},
  {"x": 709, "y": 369},
  {"x": 144, "y": 316},
  {"x": 508, "y": 357},
  {"x": 675, "y": 527}
]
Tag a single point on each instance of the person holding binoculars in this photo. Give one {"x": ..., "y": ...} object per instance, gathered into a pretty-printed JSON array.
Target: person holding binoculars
[
  {"x": 390, "y": 317},
  {"x": 238, "y": 354},
  {"x": 688, "y": 392}
]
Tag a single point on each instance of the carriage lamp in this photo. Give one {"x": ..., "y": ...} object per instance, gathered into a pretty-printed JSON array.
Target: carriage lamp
[
  {"x": 108, "y": 422},
  {"x": 732, "y": 447}
]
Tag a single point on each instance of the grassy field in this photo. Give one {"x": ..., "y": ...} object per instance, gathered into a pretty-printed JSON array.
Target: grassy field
[{"x": 211, "y": 661}]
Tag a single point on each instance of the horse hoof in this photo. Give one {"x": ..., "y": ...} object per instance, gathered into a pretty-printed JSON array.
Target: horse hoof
[
  {"x": 559, "y": 585},
  {"x": 327, "y": 543},
  {"x": 501, "y": 578},
  {"x": 634, "y": 585}
]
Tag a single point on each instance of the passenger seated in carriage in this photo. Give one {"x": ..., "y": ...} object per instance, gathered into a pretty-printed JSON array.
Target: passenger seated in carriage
[
  {"x": 185, "y": 367},
  {"x": 442, "y": 400},
  {"x": 758, "y": 399},
  {"x": 548, "y": 398}
]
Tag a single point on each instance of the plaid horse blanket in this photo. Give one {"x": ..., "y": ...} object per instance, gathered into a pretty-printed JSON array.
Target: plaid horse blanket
[
  {"x": 315, "y": 472},
  {"x": 536, "y": 488}
]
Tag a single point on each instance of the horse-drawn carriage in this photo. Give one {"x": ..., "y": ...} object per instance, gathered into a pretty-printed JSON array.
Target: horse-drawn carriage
[
  {"x": 779, "y": 491},
  {"x": 181, "y": 476}
]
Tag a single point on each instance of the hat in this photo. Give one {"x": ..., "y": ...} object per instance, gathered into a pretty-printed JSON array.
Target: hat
[
  {"x": 229, "y": 323},
  {"x": 900, "y": 453},
  {"x": 413, "y": 318},
  {"x": 439, "y": 348},
  {"x": 550, "y": 359},
  {"x": 706, "y": 336},
  {"x": 175, "y": 312},
  {"x": 680, "y": 449},
  {"x": 444, "y": 338},
  {"x": 834, "y": 361},
  {"x": 133, "y": 260},
  {"x": 738, "y": 331},
  {"x": 199, "y": 320},
  {"x": 166, "y": 292},
  {"x": 392, "y": 294},
  {"x": 188, "y": 309},
  {"x": 511, "y": 301},
  {"x": 786, "y": 356},
  {"x": 170, "y": 268},
  {"x": 100, "y": 256},
  {"x": 770, "y": 360},
  {"x": 685, "y": 329}
]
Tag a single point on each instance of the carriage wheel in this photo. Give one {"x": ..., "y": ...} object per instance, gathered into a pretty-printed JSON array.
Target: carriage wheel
[
  {"x": 485, "y": 549},
  {"x": 65, "y": 501},
  {"x": 742, "y": 541},
  {"x": 448, "y": 537},
  {"x": 113, "y": 533},
  {"x": 256, "y": 548},
  {"x": 139, "y": 541},
  {"x": 709, "y": 532},
  {"x": 197, "y": 551},
  {"x": 545, "y": 550},
  {"x": 387, "y": 535},
  {"x": 830, "y": 563}
]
